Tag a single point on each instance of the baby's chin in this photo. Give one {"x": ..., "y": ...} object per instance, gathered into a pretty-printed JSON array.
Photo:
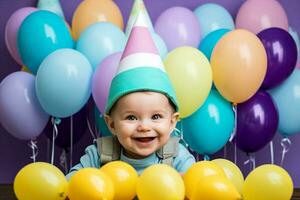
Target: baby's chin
[{"x": 140, "y": 154}]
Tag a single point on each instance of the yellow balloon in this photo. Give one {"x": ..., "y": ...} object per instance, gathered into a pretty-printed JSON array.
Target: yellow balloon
[
  {"x": 191, "y": 76},
  {"x": 161, "y": 182},
  {"x": 92, "y": 11},
  {"x": 232, "y": 172},
  {"x": 215, "y": 188},
  {"x": 91, "y": 184},
  {"x": 268, "y": 182},
  {"x": 197, "y": 172},
  {"x": 40, "y": 180},
  {"x": 25, "y": 69},
  {"x": 239, "y": 65},
  {"x": 124, "y": 178}
]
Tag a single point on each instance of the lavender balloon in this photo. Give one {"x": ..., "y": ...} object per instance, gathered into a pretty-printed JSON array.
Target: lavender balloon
[
  {"x": 281, "y": 54},
  {"x": 11, "y": 31},
  {"x": 102, "y": 79},
  {"x": 178, "y": 26},
  {"x": 257, "y": 122},
  {"x": 20, "y": 112}
]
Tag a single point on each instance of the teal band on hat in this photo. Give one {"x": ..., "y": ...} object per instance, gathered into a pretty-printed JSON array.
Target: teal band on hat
[{"x": 140, "y": 79}]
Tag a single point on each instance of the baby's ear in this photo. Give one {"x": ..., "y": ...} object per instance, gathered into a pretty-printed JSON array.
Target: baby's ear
[
  {"x": 110, "y": 123},
  {"x": 174, "y": 119}
]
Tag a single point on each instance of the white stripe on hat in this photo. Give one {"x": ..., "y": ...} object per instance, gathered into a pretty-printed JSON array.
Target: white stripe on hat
[{"x": 139, "y": 60}]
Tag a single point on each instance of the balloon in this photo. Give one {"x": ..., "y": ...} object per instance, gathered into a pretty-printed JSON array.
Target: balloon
[
  {"x": 41, "y": 33},
  {"x": 233, "y": 173},
  {"x": 40, "y": 180},
  {"x": 191, "y": 76},
  {"x": 281, "y": 54},
  {"x": 20, "y": 112},
  {"x": 256, "y": 15},
  {"x": 199, "y": 171},
  {"x": 102, "y": 78},
  {"x": 92, "y": 11},
  {"x": 295, "y": 36},
  {"x": 215, "y": 188},
  {"x": 11, "y": 31},
  {"x": 160, "y": 45},
  {"x": 268, "y": 182},
  {"x": 101, "y": 125},
  {"x": 178, "y": 26},
  {"x": 209, "y": 42},
  {"x": 92, "y": 184},
  {"x": 208, "y": 129},
  {"x": 63, "y": 82},
  {"x": 124, "y": 178},
  {"x": 287, "y": 99},
  {"x": 211, "y": 17},
  {"x": 63, "y": 139},
  {"x": 257, "y": 122},
  {"x": 99, "y": 41},
  {"x": 239, "y": 64},
  {"x": 160, "y": 181},
  {"x": 51, "y": 5}
]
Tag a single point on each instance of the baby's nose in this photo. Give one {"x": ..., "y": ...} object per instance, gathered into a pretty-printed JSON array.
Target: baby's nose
[{"x": 143, "y": 126}]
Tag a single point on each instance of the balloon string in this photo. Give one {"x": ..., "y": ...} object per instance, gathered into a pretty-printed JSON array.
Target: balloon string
[
  {"x": 272, "y": 152},
  {"x": 71, "y": 142},
  {"x": 55, "y": 122},
  {"x": 233, "y": 134},
  {"x": 285, "y": 143},
  {"x": 225, "y": 151},
  {"x": 63, "y": 160},
  {"x": 90, "y": 128},
  {"x": 251, "y": 161},
  {"x": 235, "y": 153},
  {"x": 34, "y": 148}
]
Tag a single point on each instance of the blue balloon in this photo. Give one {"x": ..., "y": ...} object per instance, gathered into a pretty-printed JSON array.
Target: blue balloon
[
  {"x": 100, "y": 40},
  {"x": 208, "y": 44},
  {"x": 160, "y": 45},
  {"x": 212, "y": 17},
  {"x": 63, "y": 82},
  {"x": 208, "y": 129},
  {"x": 286, "y": 97},
  {"x": 41, "y": 33}
]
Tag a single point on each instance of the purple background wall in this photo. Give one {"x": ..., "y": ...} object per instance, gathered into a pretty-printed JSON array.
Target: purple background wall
[{"x": 14, "y": 154}]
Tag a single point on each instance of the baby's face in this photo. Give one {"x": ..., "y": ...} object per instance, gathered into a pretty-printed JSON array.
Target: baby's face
[{"x": 143, "y": 122}]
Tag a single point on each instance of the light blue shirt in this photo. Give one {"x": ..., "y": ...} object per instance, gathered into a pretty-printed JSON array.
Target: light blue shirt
[{"x": 91, "y": 159}]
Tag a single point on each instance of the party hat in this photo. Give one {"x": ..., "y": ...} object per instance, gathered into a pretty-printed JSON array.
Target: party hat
[
  {"x": 138, "y": 6},
  {"x": 140, "y": 68},
  {"x": 51, "y": 5}
]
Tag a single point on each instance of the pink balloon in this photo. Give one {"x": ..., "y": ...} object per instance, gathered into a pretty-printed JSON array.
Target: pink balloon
[
  {"x": 257, "y": 15},
  {"x": 11, "y": 31},
  {"x": 102, "y": 79}
]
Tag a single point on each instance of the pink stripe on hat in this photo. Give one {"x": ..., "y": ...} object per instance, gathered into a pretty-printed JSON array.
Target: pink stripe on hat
[{"x": 139, "y": 41}]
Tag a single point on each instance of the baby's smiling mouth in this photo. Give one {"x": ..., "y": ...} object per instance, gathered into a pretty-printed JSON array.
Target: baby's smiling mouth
[{"x": 144, "y": 139}]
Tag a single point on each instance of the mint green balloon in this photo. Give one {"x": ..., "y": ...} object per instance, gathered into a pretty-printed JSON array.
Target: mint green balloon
[{"x": 208, "y": 129}]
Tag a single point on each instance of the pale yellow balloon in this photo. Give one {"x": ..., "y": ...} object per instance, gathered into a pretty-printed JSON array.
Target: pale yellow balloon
[
  {"x": 91, "y": 184},
  {"x": 92, "y": 11},
  {"x": 232, "y": 172},
  {"x": 40, "y": 180},
  {"x": 268, "y": 182},
  {"x": 191, "y": 77},
  {"x": 215, "y": 188},
  {"x": 239, "y": 65},
  {"x": 199, "y": 171},
  {"x": 124, "y": 178},
  {"x": 161, "y": 182}
]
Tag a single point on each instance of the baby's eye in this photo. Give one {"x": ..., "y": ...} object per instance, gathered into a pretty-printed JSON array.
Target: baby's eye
[
  {"x": 156, "y": 116},
  {"x": 131, "y": 117}
]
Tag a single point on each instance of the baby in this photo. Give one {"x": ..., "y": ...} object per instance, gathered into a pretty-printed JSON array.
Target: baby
[{"x": 141, "y": 112}]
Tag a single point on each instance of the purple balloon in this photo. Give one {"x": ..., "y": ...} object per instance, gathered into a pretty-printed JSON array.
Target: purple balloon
[
  {"x": 257, "y": 122},
  {"x": 11, "y": 31},
  {"x": 63, "y": 138},
  {"x": 102, "y": 79},
  {"x": 20, "y": 111},
  {"x": 281, "y": 54},
  {"x": 178, "y": 26}
]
